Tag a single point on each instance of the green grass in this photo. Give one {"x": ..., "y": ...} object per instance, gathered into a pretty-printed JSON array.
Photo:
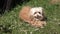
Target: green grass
[{"x": 18, "y": 26}]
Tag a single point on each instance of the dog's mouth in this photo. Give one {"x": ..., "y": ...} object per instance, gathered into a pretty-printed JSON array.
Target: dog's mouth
[{"x": 37, "y": 17}]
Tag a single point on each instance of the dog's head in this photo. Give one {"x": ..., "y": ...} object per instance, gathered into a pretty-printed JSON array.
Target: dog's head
[{"x": 37, "y": 13}]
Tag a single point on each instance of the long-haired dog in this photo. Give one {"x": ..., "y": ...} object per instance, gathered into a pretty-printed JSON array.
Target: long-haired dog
[{"x": 34, "y": 16}]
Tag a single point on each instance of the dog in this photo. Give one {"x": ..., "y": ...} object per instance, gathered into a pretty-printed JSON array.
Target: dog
[
  {"x": 33, "y": 15},
  {"x": 37, "y": 13}
]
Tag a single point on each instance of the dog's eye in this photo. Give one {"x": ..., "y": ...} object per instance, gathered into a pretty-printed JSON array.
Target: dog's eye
[
  {"x": 35, "y": 12},
  {"x": 39, "y": 12}
]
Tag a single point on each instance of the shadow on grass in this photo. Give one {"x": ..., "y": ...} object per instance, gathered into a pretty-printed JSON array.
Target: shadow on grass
[{"x": 7, "y": 5}]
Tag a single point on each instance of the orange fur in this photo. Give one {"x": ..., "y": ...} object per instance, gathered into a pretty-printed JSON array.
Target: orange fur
[{"x": 24, "y": 13}]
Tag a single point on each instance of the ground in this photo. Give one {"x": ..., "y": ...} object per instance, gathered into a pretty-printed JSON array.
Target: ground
[{"x": 18, "y": 26}]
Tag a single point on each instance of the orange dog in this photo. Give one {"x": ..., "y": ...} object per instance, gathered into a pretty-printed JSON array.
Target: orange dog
[{"x": 33, "y": 16}]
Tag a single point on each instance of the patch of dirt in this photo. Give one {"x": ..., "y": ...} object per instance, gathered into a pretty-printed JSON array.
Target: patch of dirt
[{"x": 54, "y": 1}]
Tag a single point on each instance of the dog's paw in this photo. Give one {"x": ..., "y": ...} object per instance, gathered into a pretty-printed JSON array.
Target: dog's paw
[{"x": 39, "y": 24}]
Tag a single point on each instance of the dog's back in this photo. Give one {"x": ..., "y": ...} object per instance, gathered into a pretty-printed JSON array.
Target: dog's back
[{"x": 24, "y": 13}]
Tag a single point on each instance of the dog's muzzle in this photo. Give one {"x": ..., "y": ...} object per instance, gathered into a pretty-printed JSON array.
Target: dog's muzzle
[{"x": 39, "y": 17}]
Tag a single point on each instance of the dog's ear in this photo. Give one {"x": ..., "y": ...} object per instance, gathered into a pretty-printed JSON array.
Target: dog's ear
[
  {"x": 43, "y": 13},
  {"x": 44, "y": 19}
]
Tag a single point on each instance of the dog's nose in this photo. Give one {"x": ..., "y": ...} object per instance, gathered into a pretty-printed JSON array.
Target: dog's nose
[{"x": 38, "y": 17}]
